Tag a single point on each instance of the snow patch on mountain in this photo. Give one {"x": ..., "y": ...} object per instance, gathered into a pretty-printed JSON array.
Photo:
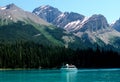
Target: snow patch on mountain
[
  {"x": 3, "y": 8},
  {"x": 37, "y": 35},
  {"x": 60, "y": 16},
  {"x": 10, "y": 17},
  {"x": 84, "y": 20},
  {"x": 82, "y": 23},
  {"x": 14, "y": 13},
  {"x": 72, "y": 25},
  {"x": 76, "y": 25},
  {"x": 45, "y": 7},
  {"x": 94, "y": 29}
]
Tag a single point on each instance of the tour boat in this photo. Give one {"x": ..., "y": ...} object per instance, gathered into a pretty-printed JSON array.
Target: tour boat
[{"x": 69, "y": 68}]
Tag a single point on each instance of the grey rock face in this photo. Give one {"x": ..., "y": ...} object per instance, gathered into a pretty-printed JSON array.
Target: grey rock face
[
  {"x": 95, "y": 27},
  {"x": 71, "y": 21},
  {"x": 95, "y": 23},
  {"x": 12, "y": 6},
  {"x": 56, "y": 17},
  {"x": 63, "y": 19},
  {"x": 13, "y": 13},
  {"x": 116, "y": 25},
  {"x": 47, "y": 13},
  {"x": 88, "y": 30}
]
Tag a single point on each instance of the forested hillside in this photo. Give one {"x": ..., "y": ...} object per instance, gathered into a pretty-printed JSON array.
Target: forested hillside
[{"x": 33, "y": 55}]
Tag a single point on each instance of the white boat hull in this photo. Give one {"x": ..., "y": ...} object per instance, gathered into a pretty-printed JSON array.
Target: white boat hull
[{"x": 69, "y": 69}]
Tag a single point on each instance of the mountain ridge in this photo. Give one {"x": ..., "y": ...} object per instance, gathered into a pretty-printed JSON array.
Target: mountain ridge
[
  {"x": 13, "y": 13},
  {"x": 77, "y": 31},
  {"x": 30, "y": 30},
  {"x": 88, "y": 28}
]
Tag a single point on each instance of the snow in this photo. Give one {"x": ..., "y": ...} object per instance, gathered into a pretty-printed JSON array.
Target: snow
[
  {"x": 37, "y": 13},
  {"x": 111, "y": 24},
  {"x": 73, "y": 24},
  {"x": 60, "y": 16},
  {"x": 84, "y": 20},
  {"x": 37, "y": 35},
  {"x": 9, "y": 16},
  {"x": 82, "y": 23},
  {"x": 76, "y": 25},
  {"x": 44, "y": 7},
  {"x": 3, "y": 8}
]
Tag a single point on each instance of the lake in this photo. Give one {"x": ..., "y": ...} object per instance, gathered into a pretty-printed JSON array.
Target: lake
[{"x": 83, "y": 75}]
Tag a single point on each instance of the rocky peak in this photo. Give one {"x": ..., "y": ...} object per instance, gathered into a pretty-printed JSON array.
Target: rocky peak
[
  {"x": 47, "y": 13},
  {"x": 56, "y": 17},
  {"x": 13, "y": 13},
  {"x": 116, "y": 25},
  {"x": 12, "y": 6},
  {"x": 98, "y": 17},
  {"x": 75, "y": 16},
  {"x": 63, "y": 19},
  {"x": 95, "y": 23},
  {"x": 72, "y": 21},
  {"x": 45, "y": 7}
]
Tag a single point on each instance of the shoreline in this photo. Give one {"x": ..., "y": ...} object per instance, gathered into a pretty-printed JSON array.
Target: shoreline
[{"x": 4, "y": 69}]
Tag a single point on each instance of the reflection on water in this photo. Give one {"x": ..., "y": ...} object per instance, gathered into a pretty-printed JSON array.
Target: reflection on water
[
  {"x": 82, "y": 75},
  {"x": 69, "y": 76}
]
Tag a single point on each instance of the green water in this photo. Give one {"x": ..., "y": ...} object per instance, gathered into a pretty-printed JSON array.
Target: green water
[{"x": 83, "y": 75}]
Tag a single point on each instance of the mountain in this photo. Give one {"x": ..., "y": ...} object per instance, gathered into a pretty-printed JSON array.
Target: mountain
[
  {"x": 56, "y": 17},
  {"x": 91, "y": 30},
  {"x": 47, "y": 13},
  {"x": 116, "y": 25},
  {"x": 70, "y": 21},
  {"x": 13, "y": 13},
  {"x": 95, "y": 23},
  {"x": 19, "y": 25},
  {"x": 73, "y": 30},
  {"x": 63, "y": 19},
  {"x": 31, "y": 41}
]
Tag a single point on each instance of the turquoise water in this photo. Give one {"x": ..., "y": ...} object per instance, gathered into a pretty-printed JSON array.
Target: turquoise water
[{"x": 83, "y": 75}]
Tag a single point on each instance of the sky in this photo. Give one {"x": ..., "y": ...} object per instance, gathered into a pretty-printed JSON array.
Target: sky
[{"x": 109, "y": 8}]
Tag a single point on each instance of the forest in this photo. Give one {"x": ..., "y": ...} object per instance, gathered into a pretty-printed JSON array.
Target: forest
[{"x": 33, "y": 55}]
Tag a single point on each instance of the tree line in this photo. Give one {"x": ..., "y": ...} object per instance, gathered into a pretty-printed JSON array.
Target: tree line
[{"x": 34, "y": 55}]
